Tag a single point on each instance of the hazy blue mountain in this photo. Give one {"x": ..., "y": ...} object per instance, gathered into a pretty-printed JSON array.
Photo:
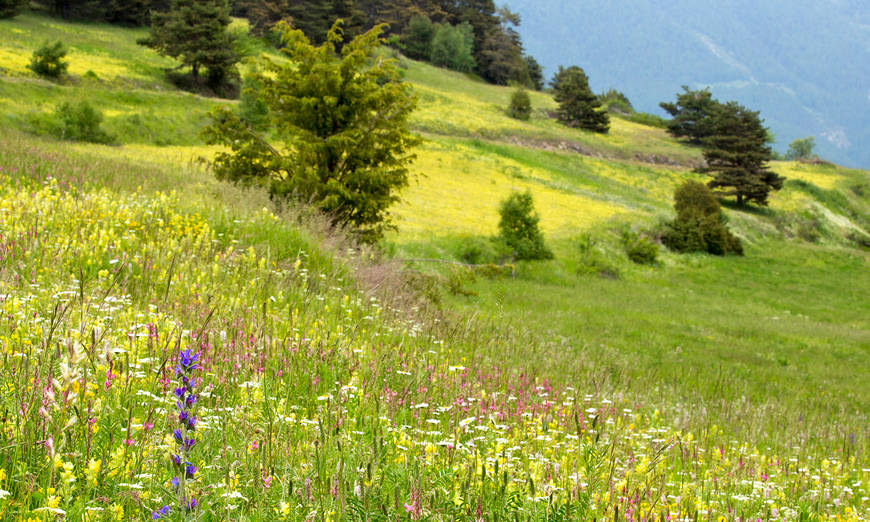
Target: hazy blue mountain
[{"x": 805, "y": 64}]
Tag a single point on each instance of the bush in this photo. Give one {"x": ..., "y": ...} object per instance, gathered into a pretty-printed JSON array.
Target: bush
[
  {"x": 518, "y": 228},
  {"x": 593, "y": 261},
  {"x": 481, "y": 250},
  {"x": 521, "y": 105},
  {"x": 616, "y": 101},
  {"x": 81, "y": 122},
  {"x": 640, "y": 248},
  {"x": 47, "y": 61},
  {"x": 700, "y": 223},
  {"x": 801, "y": 149}
]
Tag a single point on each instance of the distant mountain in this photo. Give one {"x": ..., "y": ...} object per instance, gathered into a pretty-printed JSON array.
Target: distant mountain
[{"x": 805, "y": 64}]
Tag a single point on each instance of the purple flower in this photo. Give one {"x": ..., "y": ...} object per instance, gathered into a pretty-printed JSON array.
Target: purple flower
[
  {"x": 175, "y": 459},
  {"x": 179, "y": 392},
  {"x": 179, "y": 437},
  {"x": 189, "y": 505},
  {"x": 189, "y": 443},
  {"x": 189, "y": 470},
  {"x": 187, "y": 360},
  {"x": 175, "y": 482},
  {"x": 160, "y": 513}
]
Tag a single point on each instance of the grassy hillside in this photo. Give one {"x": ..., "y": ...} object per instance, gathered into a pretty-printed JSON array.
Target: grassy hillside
[{"x": 699, "y": 388}]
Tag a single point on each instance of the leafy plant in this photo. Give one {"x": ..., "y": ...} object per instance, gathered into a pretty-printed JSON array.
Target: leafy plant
[
  {"x": 700, "y": 223},
  {"x": 81, "y": 122},
  {"x": 47, "y": 61},
  {"x": 639, "y": 248},
  {"x": 518, "y": 228},
  {"x": 521, "y": 105},
  {"x": 343, "y": 121},
  {"x": 801, "y": 148}
]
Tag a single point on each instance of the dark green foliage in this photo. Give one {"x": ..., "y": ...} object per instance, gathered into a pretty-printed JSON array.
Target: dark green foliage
[
  {"x": 452, "y": 47},
  {"x": 122, "y": 12},
  {"x": 639, "y": 248},
  {"x": 801, "y": 149},
  {"x": 521, "y": 105},
  {"x": 47, "y": 61},
  {"x": 481, "y": 250},
  {"x": 518, "y": 228},
  {"x": 693, "y": 115},
  {"x": 81, "y": 122},
  {"x": 700, "y": 223},
  {"x": 500, "y": 56},
  {"x": 343, "y": 120},
  {"x": 578, "y": 106},
  {"x": 615, "y": 101},
  {"x": 736, "y": 155},
  {"x": 10, "y": 8},
  {"x": 536, "y": 73},
  {"x": 417, "y": 38},
  {"x": 195, "y": 33}
]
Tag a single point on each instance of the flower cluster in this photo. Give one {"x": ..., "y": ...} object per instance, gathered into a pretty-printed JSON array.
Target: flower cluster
[{"x": 185, "y": 395}]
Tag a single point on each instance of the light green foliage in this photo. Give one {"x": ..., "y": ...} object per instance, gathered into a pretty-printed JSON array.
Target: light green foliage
[
  {"x": 521, "y": 105},
  {"x": 452, "y": 47},
  {"x": 518, "y": 228},
  {"x": 81, "y": 122},
  {"x": 801, "y": 148},
  {"x": 343, "y": 122},
  {"x": 48, "y": 60}
]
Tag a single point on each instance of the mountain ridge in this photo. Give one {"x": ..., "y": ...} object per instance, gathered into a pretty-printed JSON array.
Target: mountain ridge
[{"x": 799, "y": 64}]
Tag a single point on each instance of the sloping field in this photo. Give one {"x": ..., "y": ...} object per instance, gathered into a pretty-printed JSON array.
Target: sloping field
[{"x": 138, "y": 293}]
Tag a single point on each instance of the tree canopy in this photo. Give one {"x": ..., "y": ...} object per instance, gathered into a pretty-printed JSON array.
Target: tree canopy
[
  {"x": 578, "y": 106},
  {"x": 343, "y": 119},
  {"x": 692, "y": 115},
  {"x": 736, "y": 155},
  {"x": 195, "y": 33}
]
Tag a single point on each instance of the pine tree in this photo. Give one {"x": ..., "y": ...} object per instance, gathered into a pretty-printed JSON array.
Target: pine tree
[
  {"x": 195, "y": 33},
  {"x": 536, "y": 73},
  {"x": 578, "y": 106},
  {"x": 343, "y": 121},
  {"x": 692, "y": 115},
  {"x": 736, "y": 155}
]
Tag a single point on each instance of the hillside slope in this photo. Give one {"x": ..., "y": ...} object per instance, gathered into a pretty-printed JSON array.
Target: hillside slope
[{"x": 696, "y": 388}]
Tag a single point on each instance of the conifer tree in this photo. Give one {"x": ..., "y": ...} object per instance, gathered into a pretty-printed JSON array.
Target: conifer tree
[
  {"x": 736, "y": 155},
  {"x": 692, "y": 115},
  {"x": 343, "y": 120},
  {"x": 195, "y": 33},
  {"x": 578, "y": 105}
]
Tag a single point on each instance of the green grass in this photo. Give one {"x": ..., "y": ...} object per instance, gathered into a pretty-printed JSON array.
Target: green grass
[{"x": 737, "y": 385}]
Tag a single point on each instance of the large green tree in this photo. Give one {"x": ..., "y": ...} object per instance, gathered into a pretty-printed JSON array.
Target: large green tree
[
  {"x": 736, "y": 155},
  {"x": 692, "y": 115},
  {"x": 578, "y": 105},
  {"x": 195, "y": 33},
  {"x": 343, "y": 119}
]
